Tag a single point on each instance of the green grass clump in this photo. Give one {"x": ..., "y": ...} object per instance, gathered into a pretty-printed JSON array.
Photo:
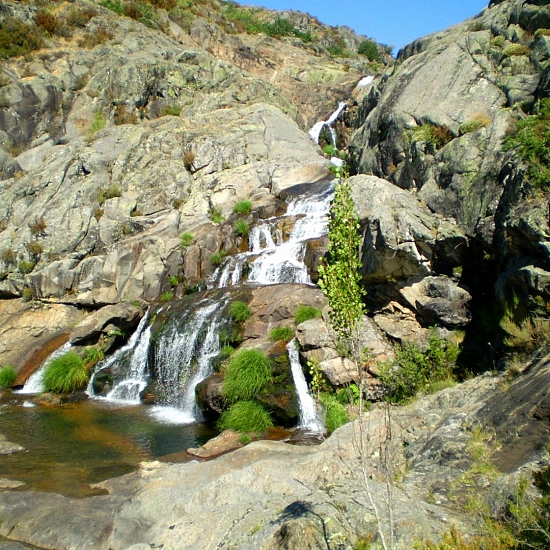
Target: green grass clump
[
  {"x": 305, "y": 313},
  {"x": 243, "y": 207},
  {"x": 336, "y": 414},
  {"x": 515, "y": 49},
  {"x": 244, "y": 417},
  {"x": 217, "y": 257},
  {"x": 7, "y": 377},
  {"x": 247, "y": 373},
  {"x": 66, "y": 374},
  {"x": 186, "y": 239},
  {"x": 106, "y": 193},
  {"x": 239, "y": 311},
  {"x": 531, "y": 143},
  {"x": 281, "y": 334},
  {"x": 215, "y": 215},
  {"x": 99, "y": 122},
  {"x": 436, "y": 135},
  {"x": 26, "y": 267},
  {"x": 171, "y": 110},
  {"x": 241, "y": 227},
  {"x": 166, "y": 296}
]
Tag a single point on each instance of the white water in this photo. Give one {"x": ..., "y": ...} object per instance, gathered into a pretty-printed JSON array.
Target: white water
[
  {"x": 183, "y": 359},
  {"x": 272, "y": 260},
  {"x": 35, "y": 383},
  {"x": 317, "y": 128},
  {"x": 132, "y": 383},
  {"x": 365, "y": 81},
  {"x": 306, "y": 403}
]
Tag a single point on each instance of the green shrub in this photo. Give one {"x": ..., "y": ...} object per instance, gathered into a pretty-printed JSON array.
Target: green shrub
[
  {"x": 330, "y": 151},
  {"x": 413, "y": 371},
  {"x": 26, "y": 267},
  {"x": 241, "y": 227},
  {"x": 436, "y": 135},
  {"x": 370, "y": 49},
  {"x": 239, "y": 311},
  {"x": 174, "y": 280},
  {"x": 515, "y": 49},
  {"x": 91, "y": 356},
  {"x": 217, "y": 257},
  {"x": 17, "y": 38},
  {"x": 245, "y": 416},
  {"x": 305, "y": 313},
  {"x": 7, "y": 377},
  {"x": 336, "y": 414},
  {"x": 66, "y": 374},
  {"x": 186, "y": 239},
  {"x": 114, "y": 5},
  {"x": 215, "y": 215},
  {"x": 34, "y": 248},
  {"x": 80, "y": 17},
  {"x": 172, "y": 110},
  {"x": 106, "y": 193},
  {"x": 99, "y": 122},
  {"x": 243, "y": 207},
  {"x": 247, "y": 373},
  {"x": 281, "y": 334},
  {"x": 166, "y": 296},
  {"x": 542, "y": 32},
  {"x": 8, "y": 255},
  {"x": 28, "y": 294},
  {"x": 498, "y": 41},
  {"x": 530, "y": 142}
]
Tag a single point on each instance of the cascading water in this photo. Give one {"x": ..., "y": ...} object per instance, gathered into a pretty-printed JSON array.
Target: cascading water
[
  {"x": 316, "y": 130},
  {"x": 35, "y": 383},
  {"x": 127, "y": 367},
  {"x": 183, "y": 359},
  {"x": 271, "y": 259},
  {"x": 306, "y": 403}
]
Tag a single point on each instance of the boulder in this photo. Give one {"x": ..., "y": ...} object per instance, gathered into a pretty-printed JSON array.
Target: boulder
[
  {"x": 123, "y": 316},
  {"x": 438, "y": 300},
  {"x": 228, "y": 440},
  {"x": 209, "y": 395}
]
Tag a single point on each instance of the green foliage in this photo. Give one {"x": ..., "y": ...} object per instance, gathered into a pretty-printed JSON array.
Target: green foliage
[
  {"x": 106, "y": 193},
  {"x": 247, "y": 21},
  {"x": 17, "y": 38},
  {"x": 217, "y": 257},
  {"x": 215, "y": 214},
  {"x": 348, "y": 395},
  {"x": 247, "y": 373},
  {"x": 336, "y": 414},
  {"x": 531, "y": 142},
  {"x": 243, "y": 207},
  {"x": 91, "y": 355},
  {"x": 80, "y": 17},
  {"x": 7, "y": 377},
  {"x": 241, "y": 227},
  {"x": 186, "y": 239},
  {"x": 244, "y": 417},
  {"x": 66, "y": 374},
  {"x": 498, "y": 41},
  {"x": 114, "y": 5},
  {"x": 239, "y": 311},
  {"x": 166, "y": 296},
  {"x": 28, "y": 294},
  {"x": 172, "y": 110},
  {"x": 479, "y": 120},
  {"x": 99, "y": 122},
  {"x": 305, "y": 313},
  {"x": 281, "y": 334},
  {"x": 370, "y": 49},
  {"x": 244, "y": 439},
  {"x": 515, "y": 49},
  {"x": 413, "y": 371},
  {"x": 436, "y": 135},
  {"x": 26, "y": 267},
  {"x": 174, "y": 280},
  {"x": 339, "y": 276},
  {"x": 8, "y": 255},
  {"x": 330, "y": 151}
]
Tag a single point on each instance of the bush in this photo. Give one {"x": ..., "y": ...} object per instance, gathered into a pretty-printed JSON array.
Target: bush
[
  {"x": 515, "y": 49},
  {"x": 92, "y": 39},
  {"x": 247, "y": 373},
  {"x": 17, "y": 38},
  {"x": 241, "y": 227},
  {"x": 370, "y": 49},
  {"x": 26, "y": 267},
  {"x": 305, "y": 313},
  {"x": 245, "y": 416},
  {"x": 436, "y": 135},
  {"x": 80, "y": 17},
  {"x": 7, "y": 377},
  {"x": 239, "y": 311},
  {"x": 281, "y": 334},
  {"x": 188, "y": 160},
  {"x": 47, "y": 21},
  {"x": 106, "y": 193},
  {"x": 336, "y": 414},
  {"x": 530, "y": 142},
  {"x": 186, "y": 239},
  {"x": 243, "y": 207},
  {"x": 37, "y": 226},
  {"x": 34, "y": 248},
  {"x": 413, "y": 371},
  {"x": 66, "y": 374},
  {"x": 8, "y": 255}
]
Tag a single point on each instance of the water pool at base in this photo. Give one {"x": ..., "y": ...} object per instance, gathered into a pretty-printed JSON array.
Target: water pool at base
[{"x": 73, "y": 446}]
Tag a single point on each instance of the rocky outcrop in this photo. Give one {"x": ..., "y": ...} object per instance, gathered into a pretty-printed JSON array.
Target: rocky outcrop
[{"x": 274, "y": 495}]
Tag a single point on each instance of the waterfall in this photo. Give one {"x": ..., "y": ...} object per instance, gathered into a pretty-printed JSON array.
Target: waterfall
[
  {"x": 315, "y": 132},
  {"x": 35, "y": 383},
  {"x": 306, "y": 403},
  {"x": 272, "y": 260},
  {"x": 127, "y": 366},
  {"x": 183, "y": 359}
]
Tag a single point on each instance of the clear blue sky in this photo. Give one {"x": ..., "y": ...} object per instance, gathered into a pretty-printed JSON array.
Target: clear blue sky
[{"x": 392, "y": 22}]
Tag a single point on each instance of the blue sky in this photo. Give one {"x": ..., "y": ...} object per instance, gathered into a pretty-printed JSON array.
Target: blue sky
[{"x": 392, "y": 22}]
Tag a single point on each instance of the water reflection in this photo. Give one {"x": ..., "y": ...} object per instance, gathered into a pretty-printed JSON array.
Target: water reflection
[{"x": 72, "y": 446}]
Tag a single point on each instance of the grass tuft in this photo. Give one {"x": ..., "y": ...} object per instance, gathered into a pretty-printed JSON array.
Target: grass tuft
[
  {"x": 247, "y": 373},
  {"x": 239, "y": 311},
  {"x": 7, "y": 377},
  {"x": 243, "y": 207},
  {"x": 244, "y": 417},
  {"x": 281, "y": 334},
  {"x": 66, "y": 374},
  {"x": 305, "y": 313}
]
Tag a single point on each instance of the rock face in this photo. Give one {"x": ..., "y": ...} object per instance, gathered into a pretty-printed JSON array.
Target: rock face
[{"x": 272, "y": 495}]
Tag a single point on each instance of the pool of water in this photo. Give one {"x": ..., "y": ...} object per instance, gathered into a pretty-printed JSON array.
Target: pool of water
[{"x": 73, "y": 446}]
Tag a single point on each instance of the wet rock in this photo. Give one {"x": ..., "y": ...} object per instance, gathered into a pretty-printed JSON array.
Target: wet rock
[
  {"x": 228, "y": 440},
  {"x": 8, "y": 448},
  {"x": 209, "y": 395}
]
